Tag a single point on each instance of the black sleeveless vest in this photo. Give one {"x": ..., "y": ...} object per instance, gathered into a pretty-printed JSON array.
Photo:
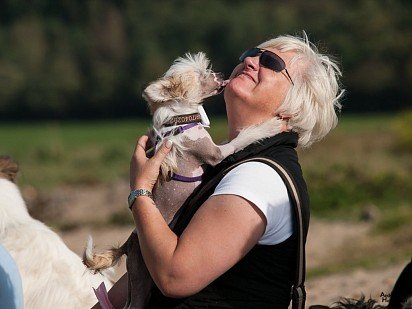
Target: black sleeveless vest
[{"x": 263, "y": 278}]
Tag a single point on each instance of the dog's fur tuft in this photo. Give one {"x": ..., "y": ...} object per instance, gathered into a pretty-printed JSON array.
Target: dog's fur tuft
[
  {"x": 362, "y": 303},
  {"x": 96, "y": 262}
]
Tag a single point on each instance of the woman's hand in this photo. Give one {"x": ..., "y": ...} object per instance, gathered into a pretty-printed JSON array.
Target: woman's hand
[{"x": 144, "y": 171}]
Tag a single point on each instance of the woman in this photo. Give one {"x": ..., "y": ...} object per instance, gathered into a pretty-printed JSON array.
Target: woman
[{"x": 238, "y": 250}]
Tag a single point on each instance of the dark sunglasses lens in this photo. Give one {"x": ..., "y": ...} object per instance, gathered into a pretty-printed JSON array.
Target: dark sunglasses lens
[
  {"x": 272, "y": 61},
  {"x": 252, "y": 52}
]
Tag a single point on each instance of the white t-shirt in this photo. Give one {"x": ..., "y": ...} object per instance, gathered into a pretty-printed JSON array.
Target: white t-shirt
[{"x": 260, "y": 184}]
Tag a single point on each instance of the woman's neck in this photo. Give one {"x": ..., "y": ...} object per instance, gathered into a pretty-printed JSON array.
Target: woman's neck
[
  {"x": 267, "y": 126},
  {"x": 238, "y": 123}
]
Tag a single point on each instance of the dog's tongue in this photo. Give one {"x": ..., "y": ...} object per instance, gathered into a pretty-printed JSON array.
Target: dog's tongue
[{"x": 224, "y": 83}]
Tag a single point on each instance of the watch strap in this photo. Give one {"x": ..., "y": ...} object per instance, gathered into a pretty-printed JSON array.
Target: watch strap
[{"x": 138, "y": 192}]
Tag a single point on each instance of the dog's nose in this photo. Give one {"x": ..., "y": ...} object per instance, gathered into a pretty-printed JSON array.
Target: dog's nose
[
  {"x": 220, "y": 75},
  {"x": 219, "y": 78}
]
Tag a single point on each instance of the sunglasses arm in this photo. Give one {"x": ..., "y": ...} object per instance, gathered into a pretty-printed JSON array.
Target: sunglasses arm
[{"x": 290, "y": 78}]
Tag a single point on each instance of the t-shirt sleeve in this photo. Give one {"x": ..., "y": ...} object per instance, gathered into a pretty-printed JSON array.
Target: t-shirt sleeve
[{"x": 261, "y": 185}]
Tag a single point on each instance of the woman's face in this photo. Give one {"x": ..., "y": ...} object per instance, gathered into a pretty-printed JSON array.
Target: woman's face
[{"x": 255, "y": 90}]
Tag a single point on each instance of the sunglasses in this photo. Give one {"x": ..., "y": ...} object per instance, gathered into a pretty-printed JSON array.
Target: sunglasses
[{"x": 267, "y": 59}]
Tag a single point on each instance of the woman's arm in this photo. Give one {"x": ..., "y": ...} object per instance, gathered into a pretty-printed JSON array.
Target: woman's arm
[{"x": 221, "y": 232}]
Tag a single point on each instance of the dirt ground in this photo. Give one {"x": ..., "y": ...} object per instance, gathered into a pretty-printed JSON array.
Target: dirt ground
[
  {"x": 326, "y": 241},
  {"x": 321, "y": 290}
]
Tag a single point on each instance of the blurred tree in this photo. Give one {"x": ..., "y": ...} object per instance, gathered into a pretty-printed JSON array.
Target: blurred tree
[{"x": 81, "y": 59}]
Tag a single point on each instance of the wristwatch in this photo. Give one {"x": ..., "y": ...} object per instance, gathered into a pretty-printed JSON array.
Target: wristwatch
[{"x": 136, "y": 193}]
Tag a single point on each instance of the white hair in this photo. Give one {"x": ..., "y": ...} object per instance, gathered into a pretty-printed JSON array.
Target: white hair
[{"x": 312, "y": 100}]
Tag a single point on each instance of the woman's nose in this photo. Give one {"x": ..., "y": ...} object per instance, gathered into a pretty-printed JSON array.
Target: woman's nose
[{"x": 251, "y": 62}]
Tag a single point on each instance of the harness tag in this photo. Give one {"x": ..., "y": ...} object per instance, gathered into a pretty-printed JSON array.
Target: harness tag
[{"x": 203, "y": 115}]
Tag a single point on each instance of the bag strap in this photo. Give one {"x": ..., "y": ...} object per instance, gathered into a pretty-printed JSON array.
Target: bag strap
[{"x": 298, "y": 292}]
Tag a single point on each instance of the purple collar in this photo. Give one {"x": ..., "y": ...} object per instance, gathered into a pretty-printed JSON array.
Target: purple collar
[
  {"x": 181, "y": 178},
  {"x": 181, "y": 129}
]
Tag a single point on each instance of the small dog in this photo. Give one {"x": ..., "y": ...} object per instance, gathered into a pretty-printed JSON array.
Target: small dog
[
  {"x": 175, "y": 103},
  {"x": 52, "y": 275}
]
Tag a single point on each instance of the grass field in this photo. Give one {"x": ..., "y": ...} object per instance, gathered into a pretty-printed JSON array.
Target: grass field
[
  {"x": 357, "y": 167},
  {"x": 358, "y": 171}
]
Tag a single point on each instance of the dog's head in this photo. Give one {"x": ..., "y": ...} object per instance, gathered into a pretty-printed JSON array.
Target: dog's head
[
  {"x": 8, "y": 168},
  {"x": 13, "y": 210},
  {"x": 188, "y": 81}
]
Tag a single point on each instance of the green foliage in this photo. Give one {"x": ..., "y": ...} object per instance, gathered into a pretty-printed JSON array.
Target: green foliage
[
  {"x": 357, "y": 167},
  {"x": 394, "y": 220},
  {"x": 86, "y": 59},
  {"x": 345, "y": 190}
]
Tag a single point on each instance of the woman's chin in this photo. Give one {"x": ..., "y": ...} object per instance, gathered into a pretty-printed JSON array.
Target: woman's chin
[{"x": 236, "y": 89}]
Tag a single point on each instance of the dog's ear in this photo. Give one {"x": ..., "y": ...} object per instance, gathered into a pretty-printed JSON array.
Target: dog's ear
[{"x": 158, "y": 91}]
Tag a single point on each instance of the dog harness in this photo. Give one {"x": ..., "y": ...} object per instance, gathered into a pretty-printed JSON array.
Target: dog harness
[
  {"x": 189, "y": 121},
  {"x": 184, "y": 119}
]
